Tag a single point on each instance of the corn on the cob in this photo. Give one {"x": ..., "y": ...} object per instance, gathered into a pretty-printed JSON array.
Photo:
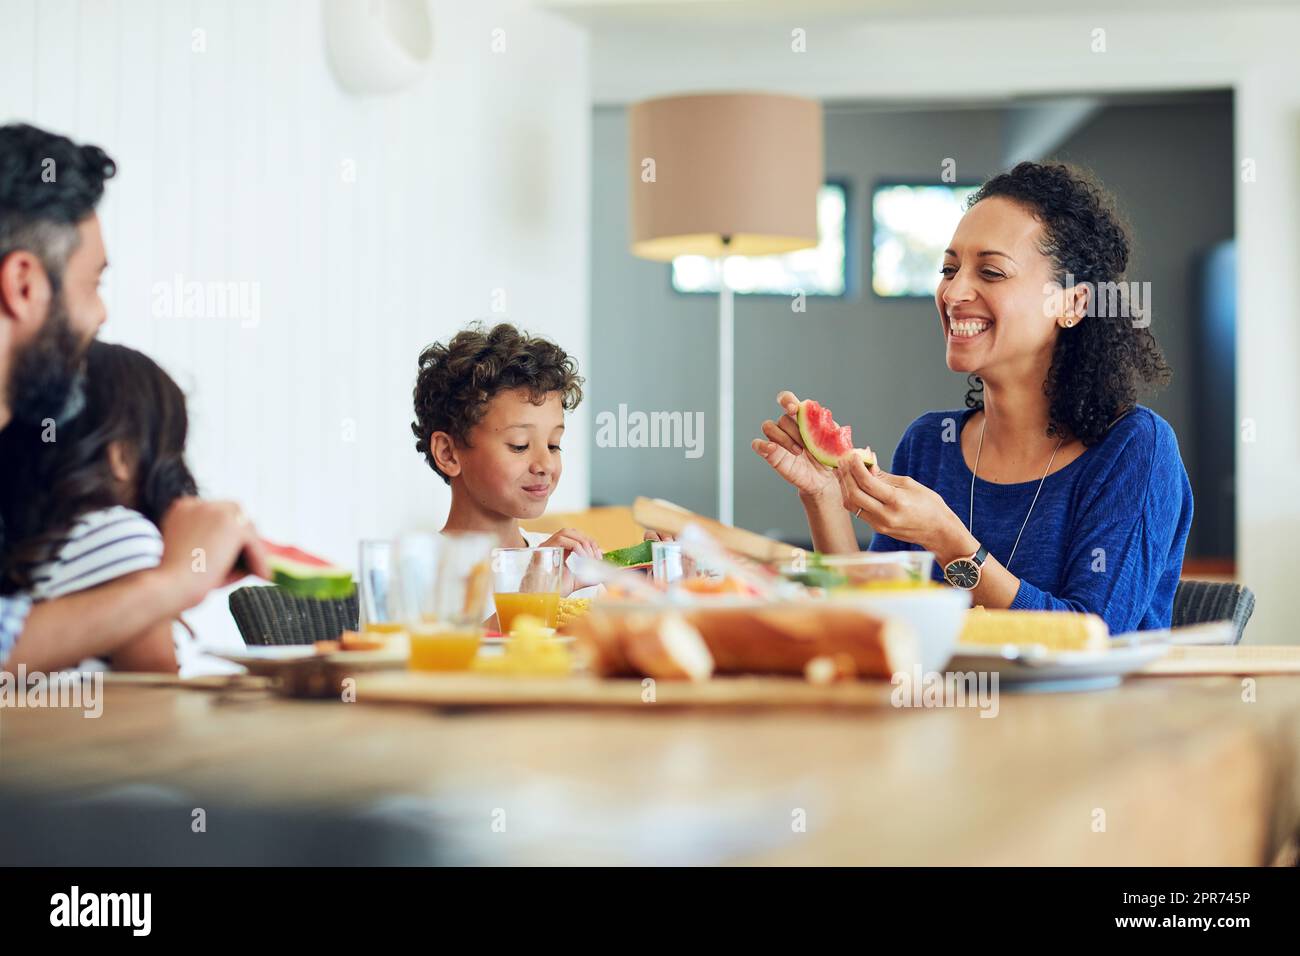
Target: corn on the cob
[
  {"x": 1058, "y": 630},
  {"x": 569, "y": 609}
]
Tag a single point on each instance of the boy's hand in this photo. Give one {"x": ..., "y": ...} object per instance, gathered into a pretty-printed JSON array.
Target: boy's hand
[
  {"x": 571, "y": 540},
  {"x": 658, "y": 536}
]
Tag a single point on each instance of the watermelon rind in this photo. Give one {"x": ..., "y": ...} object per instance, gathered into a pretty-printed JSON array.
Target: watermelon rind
[
  {"x": 630, "y": 557},
  {"x": 323, "y": 584}
]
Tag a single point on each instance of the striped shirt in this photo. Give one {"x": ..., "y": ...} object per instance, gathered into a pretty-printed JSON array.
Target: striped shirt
[
  {"x": 13, "y": 616},
  {"x": 101, "y": 547}
]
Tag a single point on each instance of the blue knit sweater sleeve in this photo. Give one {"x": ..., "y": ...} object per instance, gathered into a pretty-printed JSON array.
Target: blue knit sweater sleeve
[
  {"x": 1108, "y": 533},
  {"x": 1134, "y": 513}
]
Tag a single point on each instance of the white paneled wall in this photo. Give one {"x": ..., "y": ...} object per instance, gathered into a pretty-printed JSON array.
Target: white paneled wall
[{"x": 233, "y": 167}]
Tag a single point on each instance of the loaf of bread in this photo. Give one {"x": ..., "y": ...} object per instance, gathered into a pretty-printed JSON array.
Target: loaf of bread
[{"x": 778, "y": 639}]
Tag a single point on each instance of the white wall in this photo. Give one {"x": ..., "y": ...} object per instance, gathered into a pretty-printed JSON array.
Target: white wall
[
  {"x": 231, "y": 169},
  {"x": 953, "y": 57}
]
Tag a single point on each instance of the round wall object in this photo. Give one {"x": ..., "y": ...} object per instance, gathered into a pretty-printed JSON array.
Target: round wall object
[{"x": 377, "y": 46}]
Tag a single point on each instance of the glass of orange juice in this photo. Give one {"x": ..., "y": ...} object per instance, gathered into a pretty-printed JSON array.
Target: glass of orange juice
[
  {"x": 445, "y": 581},
  {"x": 527, "y": 581}
]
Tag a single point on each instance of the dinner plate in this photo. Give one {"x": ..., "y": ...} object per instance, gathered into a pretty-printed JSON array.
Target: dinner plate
[
  {"x": 1035, "y": 668},
  {"x": 272, "y": 652},
  {"x": 262, "y": 659}
]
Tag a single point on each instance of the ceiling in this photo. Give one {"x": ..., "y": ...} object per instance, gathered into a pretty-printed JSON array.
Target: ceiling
[{"x": 614, "y": 14}]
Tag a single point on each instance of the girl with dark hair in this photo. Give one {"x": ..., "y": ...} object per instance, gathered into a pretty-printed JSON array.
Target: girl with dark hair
[
  {"x": 1053, "y": 489},
  {"x": 83, "y": 505}
]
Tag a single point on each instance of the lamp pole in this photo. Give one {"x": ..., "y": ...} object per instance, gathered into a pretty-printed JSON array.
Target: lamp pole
[{"x": 726, "y": 393}]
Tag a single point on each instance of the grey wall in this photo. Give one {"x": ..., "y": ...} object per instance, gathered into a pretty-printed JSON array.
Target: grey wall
[
  {"x": 1170, "y": 168},
  {"x": 878, "y": 363}
]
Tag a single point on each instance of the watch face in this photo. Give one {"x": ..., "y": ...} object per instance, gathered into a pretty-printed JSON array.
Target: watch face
[{"x": 962, "y": 573}]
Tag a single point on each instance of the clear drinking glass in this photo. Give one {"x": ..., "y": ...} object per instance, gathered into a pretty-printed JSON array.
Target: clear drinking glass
[
  {"x": 667, "y": 567},
  {"x": 527, "y": 581},
  {"x": 445, "y": 582},
  {"x": 380, "y": 611}
]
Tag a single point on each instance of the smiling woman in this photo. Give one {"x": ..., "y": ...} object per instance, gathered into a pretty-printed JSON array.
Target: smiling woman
[{"x": 1053, "y": 469}]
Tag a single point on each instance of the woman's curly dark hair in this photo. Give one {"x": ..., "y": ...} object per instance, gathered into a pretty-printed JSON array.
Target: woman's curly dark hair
[
  {"x": 1099, "y": 365},
  {"x": 51, "y": 480},
  {"x": 457, "y": 380}
]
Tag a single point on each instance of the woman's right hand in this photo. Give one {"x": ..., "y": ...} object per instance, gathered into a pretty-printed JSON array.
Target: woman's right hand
[{"x": 783, "y": 449}]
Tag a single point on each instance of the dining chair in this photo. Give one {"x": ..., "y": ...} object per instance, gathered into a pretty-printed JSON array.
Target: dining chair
[
  {"x": 1199, "y": 602},
  {"x": 267, "y": 614}
]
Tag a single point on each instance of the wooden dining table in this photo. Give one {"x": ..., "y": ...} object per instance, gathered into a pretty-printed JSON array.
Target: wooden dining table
[{"x": 1158, "y": 771}]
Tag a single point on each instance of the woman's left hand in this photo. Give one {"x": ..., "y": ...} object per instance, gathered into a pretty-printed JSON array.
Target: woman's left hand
[{"x": 895, "y": 505}]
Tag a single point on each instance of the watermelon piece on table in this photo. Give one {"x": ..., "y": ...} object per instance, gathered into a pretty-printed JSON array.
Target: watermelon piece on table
[{"x": 826, "y": 439}]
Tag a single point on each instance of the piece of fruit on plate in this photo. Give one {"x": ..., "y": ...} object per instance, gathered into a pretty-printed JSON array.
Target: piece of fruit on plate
[
  {"x": 306, "y": 575},
  {"x": 826, "y": 439},
  {"x": 637, "y": 556}
]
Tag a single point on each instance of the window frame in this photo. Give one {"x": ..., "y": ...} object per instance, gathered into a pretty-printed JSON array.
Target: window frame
[{"x": 871, "y": 240}]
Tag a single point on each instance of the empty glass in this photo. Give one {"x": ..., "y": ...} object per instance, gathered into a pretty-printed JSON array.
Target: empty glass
[
  {"x": 379, "y": 609},
  {"x": 666, "y": 566}
]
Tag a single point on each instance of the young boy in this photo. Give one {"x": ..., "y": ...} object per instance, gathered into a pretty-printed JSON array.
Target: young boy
[{"x": 489, "y": 418}]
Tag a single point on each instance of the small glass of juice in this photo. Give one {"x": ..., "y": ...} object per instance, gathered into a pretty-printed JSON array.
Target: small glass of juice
[
  {"x": 445, "y": 582},
  {"x": 527, "y": 581}
]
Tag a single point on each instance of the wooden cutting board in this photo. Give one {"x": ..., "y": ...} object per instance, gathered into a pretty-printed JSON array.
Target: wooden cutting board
[
  {"x": 1242, "y": 659},
  {"x": 664, "y": 516},
  {"x": 483, "y": 690}
]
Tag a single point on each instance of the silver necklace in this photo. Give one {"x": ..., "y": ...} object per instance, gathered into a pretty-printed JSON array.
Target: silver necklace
[{"x": 970, "y": 524}]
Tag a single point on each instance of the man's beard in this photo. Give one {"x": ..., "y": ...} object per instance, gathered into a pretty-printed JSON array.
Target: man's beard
[{"x": 48, "y": 379}]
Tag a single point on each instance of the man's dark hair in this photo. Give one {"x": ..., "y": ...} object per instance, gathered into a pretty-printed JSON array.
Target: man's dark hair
[
  {"x": 457, "y": 380},
  {"x": 48, "y": 184}
]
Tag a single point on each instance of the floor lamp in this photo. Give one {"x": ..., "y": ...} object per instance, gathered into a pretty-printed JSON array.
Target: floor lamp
[{"x": 721, "y": 175}]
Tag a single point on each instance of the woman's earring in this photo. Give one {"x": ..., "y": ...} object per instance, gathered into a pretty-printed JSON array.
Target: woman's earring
[{"x": 1069, "y": 323}]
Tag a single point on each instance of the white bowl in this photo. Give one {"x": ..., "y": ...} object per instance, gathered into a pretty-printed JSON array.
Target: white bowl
[{"x": 935, "y": 614}]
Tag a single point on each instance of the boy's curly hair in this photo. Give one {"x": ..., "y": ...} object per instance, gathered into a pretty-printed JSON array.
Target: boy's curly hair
[
  {"x": 1099, "y": 366},
  {"x": 457, "y": 380}
]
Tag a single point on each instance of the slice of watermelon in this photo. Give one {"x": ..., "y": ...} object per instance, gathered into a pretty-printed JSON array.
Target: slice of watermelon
[
  {"x": 826, "y": 439},
  {"x": 636, "y": 556},
  {"x": 294, "y": 554},
  {"x": 305, "y": 574}
]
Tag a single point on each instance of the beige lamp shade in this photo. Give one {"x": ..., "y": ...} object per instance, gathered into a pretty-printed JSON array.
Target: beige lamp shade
[{"x": 726, "y": 174}]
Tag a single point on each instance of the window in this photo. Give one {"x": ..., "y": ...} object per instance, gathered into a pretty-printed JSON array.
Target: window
[
  {"x": 816, "y": 271},
  {"x": 911, "y": 226}
]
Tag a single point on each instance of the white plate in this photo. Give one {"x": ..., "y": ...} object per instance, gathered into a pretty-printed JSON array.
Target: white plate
[
  {"x": 1035, "y": 668},
  {"x": 273, "y": 652}
]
